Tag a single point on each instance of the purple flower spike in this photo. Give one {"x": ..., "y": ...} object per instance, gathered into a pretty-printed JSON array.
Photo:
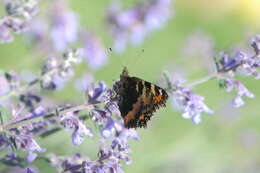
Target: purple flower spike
[
  {"x": 64, "y": 27},
  {"x": 79, "y": 129},
  {"x": 94, "y": 51},
  {"x": 4, "y": 85},
  {"x": 56, "y": 71},
  {"x": 29, "y": 170},
  {"x": 5, "y": 35},
  {"x": 231, "y": 84},
  {"x": 18, "y": 15},
  {"x": 229, "y": 63},
  {"x": 77, "y": 137},
  {"x": 98, "y": 93},
  {"x": 255, "y": 43},
  {"x": 99, "y": 116},
  {"x": 30, "y": 145},
  {"x": 13, "y": 80},
  {"x": 191, "y": 105},
  {"x": 242, "y": 62},
  {"x": 134, "y": 24},
  {"x": 108, "y": 129}
]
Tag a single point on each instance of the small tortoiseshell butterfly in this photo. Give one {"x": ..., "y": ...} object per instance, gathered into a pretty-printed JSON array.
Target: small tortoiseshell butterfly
[{"x": 138, "y": 100}]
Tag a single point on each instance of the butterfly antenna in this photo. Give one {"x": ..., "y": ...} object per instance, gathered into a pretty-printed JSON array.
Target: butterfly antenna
[
  {"x": 137, "y": 58},
  {"x": 113, "y": 54}
]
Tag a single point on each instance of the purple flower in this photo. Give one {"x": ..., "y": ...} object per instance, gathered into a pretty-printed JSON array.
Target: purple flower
[
  {"x": 157, "y": 14},
  {"x": 64, "y": 27},
  {"x": 98, "y": 93},
  {"x": 191, "y": 105},
  {"x": 239, "y": 62},
  {"x": 29, "y": 170},
  {"x": 4, "y": 85},
  {"x": 5, "y": 34},
  {"x": 22, "y": 9},
  {"x": 19, "y": 14},
  {"x": 30, "y": 145},
  {"x": 135, "y": 24},
  {"x": 113, "y": 149},
  {"x": 112, "y": 107},
  {"x": 30, "y": 100},
  {"x": 94, "y": 51},
  {"x": 79, "y": 129},
  {"x": 231, "y": 84},
  {"x": 16, "y": 25},
  {"x": 72, "y": 164},
  {"x": 13, "y": 80},
  {"x": 229, "y": 63},
  {"x": 107, "y": 131},
  {"x": 255, "y": 43},
  {"x": 39, "y": 111},
  {"x": 4, "y": 143},
  {"x": 99, "y": 116},
  {"x": 37, "y": 33},
  {"x": 55, "y": 72}
]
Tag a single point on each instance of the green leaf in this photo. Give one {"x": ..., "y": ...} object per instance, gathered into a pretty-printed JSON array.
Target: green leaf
[
  {"x": 4, "y": 115},
  {"x": 222, "y": 84},
  {"x": 10, "y": 141},
  {"x": 13, "y": 144}
]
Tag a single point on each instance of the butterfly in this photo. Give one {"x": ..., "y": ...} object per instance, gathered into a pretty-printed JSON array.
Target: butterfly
[{"x": 138, "y": 99}]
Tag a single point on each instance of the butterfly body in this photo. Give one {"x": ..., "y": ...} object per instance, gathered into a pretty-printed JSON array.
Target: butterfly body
[{"x": 138, "y": 100}]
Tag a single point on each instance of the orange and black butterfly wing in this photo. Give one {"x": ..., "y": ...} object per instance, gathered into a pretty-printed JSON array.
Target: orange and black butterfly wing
[
  {"x": 128, "y": 101},
  {"x": 138, "y": 101},
  {"x": 153, "y": 97}
]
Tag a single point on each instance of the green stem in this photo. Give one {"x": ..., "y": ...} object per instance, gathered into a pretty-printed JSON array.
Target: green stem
[
  {"x": 202, "y": 80},
  {"x": 48, "y": 115}
]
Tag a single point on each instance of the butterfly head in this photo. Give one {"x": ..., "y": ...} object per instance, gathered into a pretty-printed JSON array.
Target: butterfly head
[{"x": 124, "y": 72}]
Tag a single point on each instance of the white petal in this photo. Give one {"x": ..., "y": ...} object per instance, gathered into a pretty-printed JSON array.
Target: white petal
[
  {"x": 186, "y": 115},
  {"x": 196, "y": 119}
]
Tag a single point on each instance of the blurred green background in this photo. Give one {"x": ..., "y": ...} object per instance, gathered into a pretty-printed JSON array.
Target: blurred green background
[{"x": 227, "y": 141}]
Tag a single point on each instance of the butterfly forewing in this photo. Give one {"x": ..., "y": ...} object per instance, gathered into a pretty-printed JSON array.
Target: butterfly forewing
[{"x": 138, "y": 100}]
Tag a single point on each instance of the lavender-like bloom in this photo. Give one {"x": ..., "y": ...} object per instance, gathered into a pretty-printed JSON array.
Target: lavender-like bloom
[
  {"x": 109, "y": 155},
  {"x": 19, "y": 14},
  {"x": 13, "y": 80},
  {"x": 5, "y": 34},
  {"x": 56, "y": 71},
  {"x": 72, "y": 164},
  {"x": 64, "y": 26},
  {"x": 99, "y": 116},
  {"x": 70, "y": 121},
  {"x": 246, "y": 63},
  {"x": 242, "y": 62},
  {"x": 27, "y": 143},
  {"x": 93, "y": 51},
  {"x": 30, "y": 100},
  {"x": 231, "y": 84},
  {"x": 134, "y": 24},
  {"x": 4, "y": 87},
  {"x": 29, "y": 170},
  {"x": 191, "y": 104},
  {"x": 255, "y": 43},
  {"x": 37, "y": 34},
  {"x": 98, "y": 93}
]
